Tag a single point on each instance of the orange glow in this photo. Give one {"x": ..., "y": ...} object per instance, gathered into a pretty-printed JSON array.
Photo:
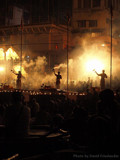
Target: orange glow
[
  {"x": 92, "y": 58},
  {"x": 103, "y": 45},
  {"x": 11, "y": 54},
  {"x": 1, "y": 54},
  {"x": 94, "y": 64},
  {"x": 17, "y": 68},
  {"x": 2, "y": 69}
]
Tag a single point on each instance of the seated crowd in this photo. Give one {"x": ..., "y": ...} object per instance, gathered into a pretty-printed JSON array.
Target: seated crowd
[{"x": 92, "y": 120}]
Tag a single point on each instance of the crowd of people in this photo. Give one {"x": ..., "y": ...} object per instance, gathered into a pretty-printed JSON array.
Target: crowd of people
[{"x": 93, "y": 120}]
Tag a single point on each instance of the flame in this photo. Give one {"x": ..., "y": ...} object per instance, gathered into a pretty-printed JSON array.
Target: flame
[
  {"x": 1, "y": 54},
  {"x": 94, "y": 64},
  {"x": 18, "y": 68},
  {"x": 91, "y": 58},
  {"x": 98, "y": 59},
  {"x": 2, "y": 69},
  {"x": 11, "y": 54}
]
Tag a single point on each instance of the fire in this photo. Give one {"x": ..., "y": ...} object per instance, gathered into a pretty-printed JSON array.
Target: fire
[
  {"x": 18, "y": 68},
  {"x": 10, "y": 54},
  {"x": 7, "y": 65},
  {"x": 97, "y": 59},
  {"x": 1, "y": 54},
  {"x": 94, "y": 64},
  {"x": 91, "y": 58},
  {"x": 2, "y": 69}
]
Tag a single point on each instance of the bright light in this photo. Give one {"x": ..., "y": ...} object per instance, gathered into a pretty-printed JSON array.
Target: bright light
[
  {"x": 1, "y": 54},
  {"x": 2, "y": 69},
  {"x": 94, "y": 64},
  {"x": 11, "y": 54},
  {"x": 17, "y": 69},
  {"x": 103, "y": 45}
]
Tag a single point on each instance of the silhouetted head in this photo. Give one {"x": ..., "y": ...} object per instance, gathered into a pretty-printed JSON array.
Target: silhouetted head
[
  {"x": 107, "y": 95},
  {"x": 58, "y": 72},
  {"x": 103, "y": 71},
  {"x": 19, "y": 72}
]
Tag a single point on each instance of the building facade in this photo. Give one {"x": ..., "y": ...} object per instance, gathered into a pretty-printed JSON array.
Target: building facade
[
  {"x": 37, "y": 40},
  {"x": 93, "y": 17},
  {"x": 43, "y": 27}
]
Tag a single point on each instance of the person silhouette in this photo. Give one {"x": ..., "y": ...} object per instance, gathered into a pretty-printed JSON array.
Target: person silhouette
[
  {"x": 17, "y": 117},
  {"x": 102, "y": 81},
  {"x": 18, "y": 81},
  {"x": 58, "y": 77}
]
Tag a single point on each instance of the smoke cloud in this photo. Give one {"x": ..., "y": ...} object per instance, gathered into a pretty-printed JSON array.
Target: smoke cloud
[{"x": 82, "y": 60}]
